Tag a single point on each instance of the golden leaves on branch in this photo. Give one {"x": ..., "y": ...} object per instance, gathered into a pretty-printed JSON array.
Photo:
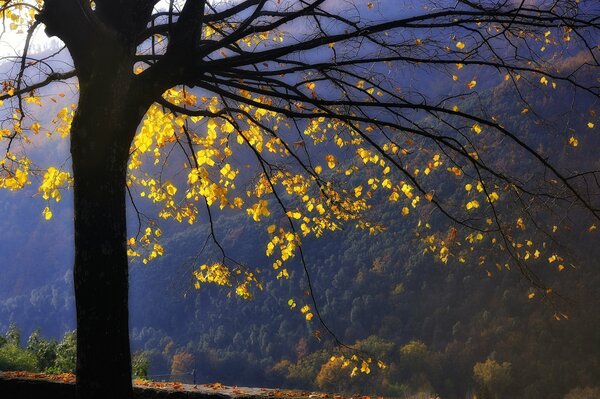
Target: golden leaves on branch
[
  {"x": 356, "y": 364},
  {"x": 218, "y": 273}
]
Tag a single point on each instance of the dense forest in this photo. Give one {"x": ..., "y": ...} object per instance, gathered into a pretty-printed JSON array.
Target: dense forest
[
  {"x": 448, "y": 329},
  {"x": 452, "y": 330}
]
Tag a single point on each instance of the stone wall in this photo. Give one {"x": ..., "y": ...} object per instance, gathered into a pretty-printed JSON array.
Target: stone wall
[{"x": 27, "y": 385}]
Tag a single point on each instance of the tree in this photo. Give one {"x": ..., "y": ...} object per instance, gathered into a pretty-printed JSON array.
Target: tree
[
  {"x": 493, "y": 378},
  {"x": 280, "y": 77},
  {"x": 66, "y": 352},
  {"x": 182, "y": 364},
  {"x": 43, "y": 350},
  {"x": 140, "y": 363},
  {"x": 330, "y": 375},
  {"x": 13, "y": 357},
  {"x": 13, "y": 335}
]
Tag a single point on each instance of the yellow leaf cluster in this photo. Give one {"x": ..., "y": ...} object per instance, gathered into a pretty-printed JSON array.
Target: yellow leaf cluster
[{"x": 53, "y": 181}]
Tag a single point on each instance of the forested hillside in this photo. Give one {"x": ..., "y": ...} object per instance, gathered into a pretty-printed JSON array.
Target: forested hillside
[{"x": 449, "y": 329}]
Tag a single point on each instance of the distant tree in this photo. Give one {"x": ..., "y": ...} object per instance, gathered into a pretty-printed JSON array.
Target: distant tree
[
  {"x": 280, "y": 370},
  {"x": 13, "y": 357},
  {"x": 66, "y": 354},
  {"x": 140, "y": 364},
  {"x": 183, "y": 363},
  {"x": 332, "y": 377},
  {"x": 13, "y": 335},
  {"x": 412, "y": 365},
  {"x": 375, "y": 346},
  {"x": 43, "y": 350},
  {"x": 493, "y": 379},
  {"x": 304, "y": 371},
  {"x": 279, "y": 77},
  {"x": 414, "y": 352}
]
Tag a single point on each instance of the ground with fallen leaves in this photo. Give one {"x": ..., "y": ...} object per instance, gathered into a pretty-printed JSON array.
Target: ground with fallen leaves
[{"x": 22, "y": 382}]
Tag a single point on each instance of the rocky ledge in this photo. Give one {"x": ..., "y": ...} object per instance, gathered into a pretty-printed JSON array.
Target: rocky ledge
[{"x": 62, "y": 386}]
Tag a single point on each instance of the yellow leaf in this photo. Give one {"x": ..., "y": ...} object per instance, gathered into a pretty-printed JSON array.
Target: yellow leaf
[
  {"x": 35, "y": 127},
  {"x": 171, "y": 189},
  {"x": 460, "y": 45},
  {"x": 472, "y": 205},
  {"x": 331, "y": 161},
  {"x": 493, "y": 197},
  {"x": 365, "y": 367},
  {"x": 472, "y": 84},
  {"x": 573, "y": 141},
  {"x": 238, "y": 202},
  {"x": 358, "y": 191},
  {"x": 47, "y": 213}
]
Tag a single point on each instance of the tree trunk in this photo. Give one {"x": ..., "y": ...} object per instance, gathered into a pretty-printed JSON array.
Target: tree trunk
[
  {"x": 101, "y": 282},
  {"x": 103, "y": 127}
]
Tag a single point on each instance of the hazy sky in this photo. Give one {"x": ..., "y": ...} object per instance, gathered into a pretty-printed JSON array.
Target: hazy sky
[{"x": 11, "y": 43}]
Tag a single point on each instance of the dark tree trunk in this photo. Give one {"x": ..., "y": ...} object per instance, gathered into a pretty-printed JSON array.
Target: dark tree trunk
[
  {"x": 112, "y": 102},
  {"x": 101, "y": 280},
  {"x": 106, "y": 119}
]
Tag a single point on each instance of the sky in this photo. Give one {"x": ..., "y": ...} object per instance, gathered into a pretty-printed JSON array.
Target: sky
[{"x": 11, "y": 43}]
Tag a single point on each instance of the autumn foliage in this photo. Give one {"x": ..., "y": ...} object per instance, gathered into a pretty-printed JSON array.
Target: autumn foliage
[{"x": 301, "y": 116}]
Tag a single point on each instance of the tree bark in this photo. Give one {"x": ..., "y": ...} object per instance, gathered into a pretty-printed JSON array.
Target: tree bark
[
  {"x": 105, "y": 122},
  {"x": 112, "y": 103},
  {"x": 101, "y": 281}
]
